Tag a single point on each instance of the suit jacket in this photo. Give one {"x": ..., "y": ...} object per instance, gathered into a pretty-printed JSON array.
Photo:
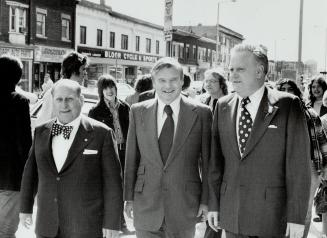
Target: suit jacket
[
  {"x": 15, "y": 139},
  {"x": 257, "y": 193},
  {"x": 86, "y": 195},
  {"x": 173, "y": 190}
]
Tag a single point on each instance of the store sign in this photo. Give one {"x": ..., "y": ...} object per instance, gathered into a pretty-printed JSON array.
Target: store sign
[
  {"x": 168, "y": 21},
  {"x": 50, "y": 54},
  {"x": 120, "y": 55},
  {"x": 20, "y": 53}
]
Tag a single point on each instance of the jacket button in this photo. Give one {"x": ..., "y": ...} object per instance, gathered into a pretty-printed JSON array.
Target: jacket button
[
  {"x": 58, "y": 178},
  {"x": 55, "y": 200}
]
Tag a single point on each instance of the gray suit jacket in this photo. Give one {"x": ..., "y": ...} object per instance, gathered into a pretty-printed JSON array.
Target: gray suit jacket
[
  {"x": 258, "y": 193},
  {"x": 173, "y": 190},
  {"x": 86, "y": 194}
]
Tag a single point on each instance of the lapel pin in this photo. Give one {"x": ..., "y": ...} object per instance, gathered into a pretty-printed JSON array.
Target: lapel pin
[{"x": 85, "y": 139}]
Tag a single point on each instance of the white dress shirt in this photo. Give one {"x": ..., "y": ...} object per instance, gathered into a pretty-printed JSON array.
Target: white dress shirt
[
  {"x": 252, "y": 107},
  {"x": 161, "y": 114},
  {"x": 61, "y": 146}
]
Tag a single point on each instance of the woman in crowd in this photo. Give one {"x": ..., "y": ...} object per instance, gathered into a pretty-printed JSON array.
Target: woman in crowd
[
  {"x": 114, "y": 113},
  {"x": 318, "y": 146},
  {"x": 317, "y": 87},
  {"x": 143, "y": 83}
]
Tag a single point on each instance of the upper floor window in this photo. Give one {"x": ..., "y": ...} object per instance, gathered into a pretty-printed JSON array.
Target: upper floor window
[
  {"x": 65, "y": 27},
  {"x": 17, "y": 18},
  {"x": 124, "y": 42},
  {"x": 187, "y": 51},
  {"x": 40, "y": 22},
  {"x": 112, "y": 40},
  {"x": 83, "y": 34},
  {"x": 148, "y": 45},
  {"x": 181, "y": 51},
  {"x": 194, "y": 52},
  {"x": 99, "y": 37},
  {"x": 157, "y": 47},
  {"x": 137, "y": 43}
]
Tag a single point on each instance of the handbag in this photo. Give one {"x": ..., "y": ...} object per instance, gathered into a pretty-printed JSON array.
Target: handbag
[{"x": 320, "y": 200}]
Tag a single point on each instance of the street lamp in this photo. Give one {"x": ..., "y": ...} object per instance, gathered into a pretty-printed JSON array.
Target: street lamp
[{"x": 217, "y": 40}]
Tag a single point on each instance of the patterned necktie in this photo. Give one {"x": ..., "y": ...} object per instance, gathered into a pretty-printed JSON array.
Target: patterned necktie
[
  {"x": 167, "y": 134},
  {"x": 245, "y": 124},
  {"x": 57, "y": 129}
]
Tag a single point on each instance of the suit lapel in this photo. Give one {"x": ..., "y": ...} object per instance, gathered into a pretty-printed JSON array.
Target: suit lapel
[
  {"x": 266, "y": 112},
  {"x": 46, "y": 136},
  {"x": 186, "y": 119},
  {"x": 81, "y": 140},
  {"x": 149, "y": 122}
]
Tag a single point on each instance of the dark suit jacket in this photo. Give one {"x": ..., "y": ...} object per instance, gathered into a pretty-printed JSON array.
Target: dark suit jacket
[
  {"x": 258, "y": 193},
  {"x": 173, "y": 190},
  {"x": 102, "y": 113},
  {"x": 87, "y": 193},
  {"x": 15, "y": 139}
]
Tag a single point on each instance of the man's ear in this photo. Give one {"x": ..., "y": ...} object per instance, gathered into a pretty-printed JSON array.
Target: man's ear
[
  {"x": 81, "y": 98},
  {"x": 260, "y": 71}
]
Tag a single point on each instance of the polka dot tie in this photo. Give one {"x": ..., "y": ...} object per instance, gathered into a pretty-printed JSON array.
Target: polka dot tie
[
  {"x": 245, "y": 124},
  {"x": 57, "y": 129}
]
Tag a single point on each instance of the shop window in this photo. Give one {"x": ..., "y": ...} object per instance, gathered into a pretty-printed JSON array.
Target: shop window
[
  {"x": 157, "y": 47},
  {"x": 148, "y": 45},
  {"x": 40, "y": 22},
  {"x": 99, "y": 37},
  {"x": 124, "y": 42},
  {"x": 181, "y": 51},
  {"x": 65, "y": 27},
  {"x": 187, "y": 50},
  {"x": 83, "y": 34},
  {"x": 194, "y": 52},
  {"x": 112, "y": 40},
  {"x": 17, "y": 19},
  {"x": 137, "y": 43}
]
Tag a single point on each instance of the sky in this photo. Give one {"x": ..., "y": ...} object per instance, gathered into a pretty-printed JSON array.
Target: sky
[{"x": 273, "y": 23}]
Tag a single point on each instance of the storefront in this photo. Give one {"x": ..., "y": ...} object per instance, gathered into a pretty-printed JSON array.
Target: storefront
[
  {"x": 26, "y": 56},
  {"x": 47, "y": 60},
  {"x": 124, "y": 66}
]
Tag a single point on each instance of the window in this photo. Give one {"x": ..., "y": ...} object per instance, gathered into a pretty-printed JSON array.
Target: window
[
  {"x": 83, "y": 34},
  {"x": 157, "y": 47},
  {"x": 137, "y": 43},
  {"x": 112, "y": 40},
  {"x": 65, "y": 28},
  {"x": 148, "y": 45},
  {"x": 181, "y": 51},
  {"x": 99, "y": 37},
  {"x": 17, "y": 19},
  {"x": 194, "y": 52},
  {"x": 40, "y": 22},
  {"x": 187, "y": 49},
  {"x": 124, "y": 42}
]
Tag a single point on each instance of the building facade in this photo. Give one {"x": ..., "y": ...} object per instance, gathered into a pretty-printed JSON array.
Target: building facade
[{"x": 119, "y": 45}]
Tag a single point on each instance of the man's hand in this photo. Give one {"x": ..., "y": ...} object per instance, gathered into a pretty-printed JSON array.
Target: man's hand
[
  {"x": 26, "y": 220},
  {"x": 203, "y": 212},
  {"x": 294, "y": 230},
  {"x": 129, "y": 209},
  {"x": 107, "y": 233},
  {"x": 213, "y": 221}
]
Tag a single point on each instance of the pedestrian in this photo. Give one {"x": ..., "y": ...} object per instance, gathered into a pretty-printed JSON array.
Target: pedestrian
[
  {"x": 115, "y": 114},
  {"x": 74, "y": 168},
  {"x": 168, "y": 147},
  {"x": 259, "y": 176},
  {"x": 47, "y": 84},
  {"x": 318, "y": 144},
  {"x": 73, "y": 67},
  {"x": 317, "y": 87},
  {"x": 143, "y": 83},
  {"x": 15, "y": 142}
]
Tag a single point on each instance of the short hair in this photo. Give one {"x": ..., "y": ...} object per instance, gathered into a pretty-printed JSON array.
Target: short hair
[
  {"x": 187, "y": 81},
  {"x": 106, "y": 81},
  {"x": 143, "y": 83},
  {"x": 281, "y": 82},
  {"x": 71, "y": 64},
  {"x": 166, "y": 62},
  {"x": 67, "y": 83},
  {"x": 219, "y": 76},
  {"x": 259, "y": 52},
  {"x": 321, "y": 82},
  {"x": 11, "y": 70}
]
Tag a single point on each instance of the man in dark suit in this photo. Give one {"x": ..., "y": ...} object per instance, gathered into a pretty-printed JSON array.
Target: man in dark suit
[
  {"x": 74, "y": 167},
  {"x": 15, "y": 142},
  {"x": 259, "y": 171},
  {"x": 168, "y": 147}
]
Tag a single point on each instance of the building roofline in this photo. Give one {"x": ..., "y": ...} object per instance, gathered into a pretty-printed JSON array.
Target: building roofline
[{"x": 96, "y": 6}]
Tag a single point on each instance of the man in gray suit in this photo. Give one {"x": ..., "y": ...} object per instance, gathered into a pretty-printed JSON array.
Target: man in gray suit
[
  {"x": 259, "y": 171},
  {"x": 168, "y": 147}
]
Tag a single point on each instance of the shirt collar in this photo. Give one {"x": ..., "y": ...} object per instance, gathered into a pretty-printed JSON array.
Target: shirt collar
[
  {"x": 75, "y": 123},
  {"x": 256, "y": 97},
  {"x": 175, "y": 105}
]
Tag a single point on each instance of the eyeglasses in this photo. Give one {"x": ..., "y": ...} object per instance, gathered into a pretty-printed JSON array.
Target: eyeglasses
[{"x": 211, "y": 81}]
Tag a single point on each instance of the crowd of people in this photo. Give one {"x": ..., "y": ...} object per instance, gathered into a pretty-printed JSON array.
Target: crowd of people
[{"x": 248, "y": 162}]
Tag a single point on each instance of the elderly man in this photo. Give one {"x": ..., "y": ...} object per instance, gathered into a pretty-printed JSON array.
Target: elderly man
[
  {"x": 168, "y": 147},
  {"x": 259, "y": 171},
  {"x": 74, "y": 168}
]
